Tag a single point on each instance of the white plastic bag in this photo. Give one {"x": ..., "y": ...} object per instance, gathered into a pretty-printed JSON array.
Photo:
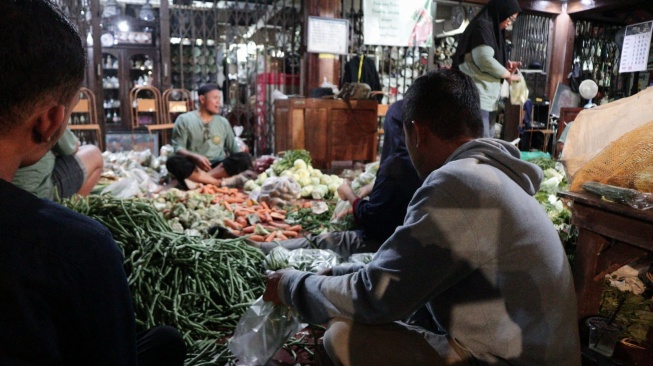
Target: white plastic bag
[
  {"x": 518, "y": 90},
  {"x": 279, "y": 191},
  {"x": 505, "y": 89},
  {"x": 261, "y": 331}
]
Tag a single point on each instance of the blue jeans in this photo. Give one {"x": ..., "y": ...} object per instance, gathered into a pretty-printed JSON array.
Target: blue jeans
[{"x": 488, "y": 123}]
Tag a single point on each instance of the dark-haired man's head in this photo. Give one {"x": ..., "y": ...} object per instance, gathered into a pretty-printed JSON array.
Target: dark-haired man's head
[
  {"x": 42, "y": 63},
  {"x": 42, "y": 60},
  {"x": 210, "y": 98},
  {"x": 441, "y": 112}
]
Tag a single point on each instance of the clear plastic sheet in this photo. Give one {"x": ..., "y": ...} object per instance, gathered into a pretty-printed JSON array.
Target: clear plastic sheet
[
  {"x": 310, "y": 260},
  {"x": 261, "y": 331},
  {"x": 631, "y": 197}
]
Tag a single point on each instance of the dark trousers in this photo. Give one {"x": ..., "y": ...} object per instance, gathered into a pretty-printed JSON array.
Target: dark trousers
[
  {"x": 182, "y": 167},
  {"x": 160, "y": 346}
]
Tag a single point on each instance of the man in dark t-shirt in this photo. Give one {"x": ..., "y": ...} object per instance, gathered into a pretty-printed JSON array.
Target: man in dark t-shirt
[{"x": 64, "y": 298}]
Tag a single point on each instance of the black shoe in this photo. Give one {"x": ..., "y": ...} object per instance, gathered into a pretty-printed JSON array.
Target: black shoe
[
  {"x": 221, "y": 232},
  {"x": 181, "y": 185}
]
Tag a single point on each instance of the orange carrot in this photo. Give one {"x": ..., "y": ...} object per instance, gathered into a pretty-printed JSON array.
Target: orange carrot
[
  {"x": 277, "y": 216},
  {"x": 290, "y": 234},
  {"x": 280, "y": 225},
  {"x": 232, "y": 224},
  {"x": 255, "y": 237},
  {"x": 249, "y": 229},
  {"x": 242, "y": 221},
  {"x": 265, "y": 206},
  {"x": 233, "y": 200},
  {"x": 282, "y": 237},
  {"x": 271, "y": 236},
  {"x": 227, "y": 206},
  {"x": 296, "y": 228}
]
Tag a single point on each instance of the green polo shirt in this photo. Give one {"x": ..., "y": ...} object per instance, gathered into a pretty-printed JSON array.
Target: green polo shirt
[
  {"x": 37, "y": 178},
  {"x": 487, "y": 73},
  {"x": 190, "y": 133}
]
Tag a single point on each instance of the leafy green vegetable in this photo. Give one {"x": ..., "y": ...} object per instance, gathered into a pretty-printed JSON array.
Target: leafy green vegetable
[
  {"x": 634, "y": 314},
  {"x": 201, "y": 286},
  {"x": 555, "y": 180},
  {"x": 288, "y": 159}
]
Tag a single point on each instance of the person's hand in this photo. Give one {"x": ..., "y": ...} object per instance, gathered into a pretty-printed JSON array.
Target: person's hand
[
  {"x": 511, "y": 76},
  {"x": 512, "y": 66},
  {"x": 325, "y": 271},
  {"x": 343, "y": 213},
  {"x": 272, "y": 287},
  {"x": 514, "y": 77},
  {"x": 202, "y": 162},
  {"x": 345, "y": 192},
  {"x": 365, "y": 191}
]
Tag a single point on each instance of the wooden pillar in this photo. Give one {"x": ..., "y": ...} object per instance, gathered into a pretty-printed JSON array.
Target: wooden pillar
[
  {"x": 562, "y": 51},
  {"x": 164, "y": 45},
  {"x": 320, "y": 66},
  {"x": 95, "y": 61}
]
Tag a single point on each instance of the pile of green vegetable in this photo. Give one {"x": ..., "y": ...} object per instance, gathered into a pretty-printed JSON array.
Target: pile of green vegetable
[
  {"x": 313, "y": 183},
  {"x": 555, "y": 180},
  {"x": 633, "y": 311},
  {"x": 310, "y": 222},
  {"x": 201, "y": 286},
  {"x": 191, "y": 212}
]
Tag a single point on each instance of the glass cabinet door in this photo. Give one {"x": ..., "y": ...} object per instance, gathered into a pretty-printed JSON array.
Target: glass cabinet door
[
  {"x": 141, "y": 70},
  {"x": 111, "y": 87},
  {"x": 142, "y": 74}
]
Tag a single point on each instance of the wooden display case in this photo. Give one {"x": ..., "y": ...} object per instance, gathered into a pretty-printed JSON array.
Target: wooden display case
[
  {"x": 122, "y": 68},
  {"x": 327, "y": 128},
  {"x": 611, "y": 235}
]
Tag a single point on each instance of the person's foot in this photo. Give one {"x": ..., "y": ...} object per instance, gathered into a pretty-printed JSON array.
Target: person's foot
[
  {"x": 190, "y": 184},
  {"x": 249, "y": 174},
  {"x": 237, "y": 181}
]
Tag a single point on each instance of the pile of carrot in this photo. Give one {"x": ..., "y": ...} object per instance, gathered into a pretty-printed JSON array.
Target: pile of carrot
[
  {"x": 248, "y": 213},
  {"x": 223, "y": 194}
]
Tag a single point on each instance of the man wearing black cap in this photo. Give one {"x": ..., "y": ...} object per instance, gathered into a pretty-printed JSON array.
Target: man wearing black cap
[{"x": 204, "y": 143}]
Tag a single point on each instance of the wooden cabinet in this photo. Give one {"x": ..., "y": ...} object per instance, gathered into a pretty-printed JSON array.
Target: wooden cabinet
[
  {"x": 611, "y": 235},
  {"x": 122, "y": 68},
  {"x": 329, "y": 129}
]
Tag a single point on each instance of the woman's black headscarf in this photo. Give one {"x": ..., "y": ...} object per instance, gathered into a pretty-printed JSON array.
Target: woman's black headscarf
[{"x": 484, "y": 30}]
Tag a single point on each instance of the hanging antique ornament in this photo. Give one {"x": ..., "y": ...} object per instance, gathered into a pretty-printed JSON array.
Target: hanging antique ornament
[{"x": 147, "y": 12}]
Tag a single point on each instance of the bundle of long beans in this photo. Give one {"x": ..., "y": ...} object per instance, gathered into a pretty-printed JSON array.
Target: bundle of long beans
[{"x": 201, "y": 286}]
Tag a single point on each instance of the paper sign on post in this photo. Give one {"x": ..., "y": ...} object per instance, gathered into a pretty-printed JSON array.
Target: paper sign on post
[{"x": 403, "y": 23}]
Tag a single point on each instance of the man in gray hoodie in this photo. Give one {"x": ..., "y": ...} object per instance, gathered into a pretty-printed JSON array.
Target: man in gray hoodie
[{"x": 476, "y": 250}]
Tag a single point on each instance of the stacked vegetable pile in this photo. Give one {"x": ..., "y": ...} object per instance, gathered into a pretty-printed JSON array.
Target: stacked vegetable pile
[
  {"x": 201, "y": 286},
  {"x": 555, "y": 180},
  {"x": 297, "y": 165}
]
